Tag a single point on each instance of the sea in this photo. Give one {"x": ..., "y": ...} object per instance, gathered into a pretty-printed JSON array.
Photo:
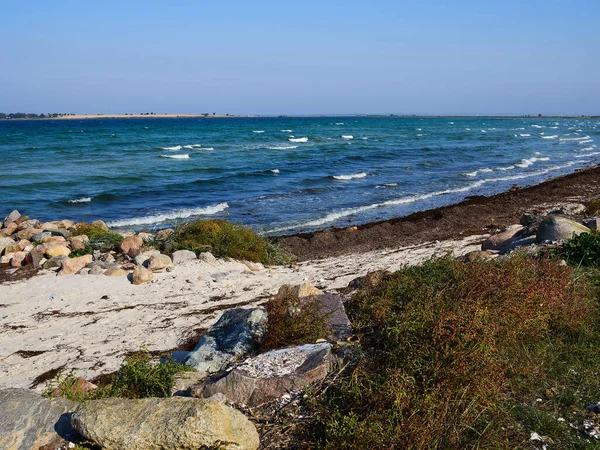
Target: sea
[{"x": 278, "y": 175}]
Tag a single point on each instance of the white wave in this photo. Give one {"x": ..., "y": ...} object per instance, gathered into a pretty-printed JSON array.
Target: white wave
[
  {"x": 350, "y": 177},
  {"x": 385, "y": 185},
  {"x": 468, "y": 129},
  {"x": 80, "y": 200},
  {"x": 302, "y": 139},
  {"x": 525, "y": 135},
  {"x": 347, "y": 136},
  {"x": 207, "y": 149},
  {"x": 259, "y": 131},
  {"x": 588, "y": 154},
  {"x": 192, "y": 146},
  {"x": 364, "y": 138},
  {"x": 483, "y": 131},
  {"x": 505, "y": 168},
  {"x": 275, "y": 170},
  {"x": 554, "y": 136},
  {"x": 587, "y": 149},
  {"x": 528, "y": 162},
  {"x": 451, "y": 123},
  {"x": 172, "y": 149},
  {"x": 186, "y": 156},
  {"x": 554, "y": 128},
  {"x": 419, "y": 129},
  {"x": 340, "y": 123},
  {"x": 282, "y": 147},
  {"x": 171, "y": 215},
  {"x": 332, "y": 217},
  {"x": 536, "y": 126},
  {"x": 586, "y": 141},
  {"x": 476, "y": 172},
  {"x": 575, "y": 139},
  {"x": 286, "y": 131}
]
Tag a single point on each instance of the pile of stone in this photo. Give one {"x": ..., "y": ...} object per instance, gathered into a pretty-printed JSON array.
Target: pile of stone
[
  {"x": 26, "y": 242},
  {"x": 536, "y": 230}
]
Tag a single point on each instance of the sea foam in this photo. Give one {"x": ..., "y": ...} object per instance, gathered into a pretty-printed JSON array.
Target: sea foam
[
  {"x": 350, "y": 177},
  {"x": 347, "y": 136},
  {"x": 302, "y": 139},
  {"x": 476, "y": 172},
  {"x": 80, "y": 200},
  {"x": 171, "y": 215},
  {"x": 172, "y": 149},
  {"x": 185, "y": 156},
  {"x": 529, "y": 161}
]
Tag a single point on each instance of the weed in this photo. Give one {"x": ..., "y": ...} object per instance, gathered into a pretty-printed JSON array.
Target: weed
[
  {"x": 582, "y": 250},
  {"x": 593, "y": 207},
  {"x": 225, "y": 239},
  {"x": 99, "y": 237}
]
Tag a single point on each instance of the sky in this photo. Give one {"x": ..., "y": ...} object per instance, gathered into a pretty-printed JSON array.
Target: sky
[{"x": 302, "y": 57}]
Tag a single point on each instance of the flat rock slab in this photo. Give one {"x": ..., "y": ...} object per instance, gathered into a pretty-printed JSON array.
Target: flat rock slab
[
  {"x": 268, "y": 376},
  {"x": 164, "y": 423},
  {"x": 30, "y": 421},
  {"x": 237, "y": 333},
  {"x": 332, "y": 307}
]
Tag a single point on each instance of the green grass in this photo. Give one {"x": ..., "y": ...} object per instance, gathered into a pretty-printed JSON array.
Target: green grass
[
  {"x": 225, "y": 239},
  {"x": 457, "y": 355},
  {"x": 140, "y": 376},
  {"x": 100, "y": 239}
]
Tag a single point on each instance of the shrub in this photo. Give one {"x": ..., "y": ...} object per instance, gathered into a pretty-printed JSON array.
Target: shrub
[
  {"x": 100, "y": 238},
  {"x": 140, "y": 376},
  {"x": 457, "y": 354},
  {"x": 593, "y": 207},
  {"x": 582, "y": 250},
  {"x": 226, "y": 239},
  {"x": 294, "y": 322}
]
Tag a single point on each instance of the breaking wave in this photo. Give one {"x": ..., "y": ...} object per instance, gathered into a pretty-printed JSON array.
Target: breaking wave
[{"x": 171, "y": 215}]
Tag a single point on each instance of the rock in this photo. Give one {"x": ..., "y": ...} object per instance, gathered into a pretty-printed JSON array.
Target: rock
[
  {"x": 371, "y": 279},
  {"x": 18, "y": 259},
  {"x": 253, "y": 266},
  {"x": 183, "y": 381},
  {"x": 141, "y": 275},
  {"x": 268, "y": 376},
  {"x": 55, "y": 240},
  {"x": 21, "y": 219},
  {"x": 35, "y": 258},
  {"x": 70, "y": 266},
  {"x": 181, "y": 256},
  {"x": 17, "y": 247},
  {"x": 115, "y": 271},
  {"x": 53, "y": 263},
  {"x": 145, "y": 236},
  {"x": 60, "y": 232},
  {"x": 501, "y": 240},
  {"x": 479, "y": 255},
  {"x": 30, "y": 421},
  {"x": 65, "y": 224},
  {"x": 58, "y": 250},
  {"x": 96, "y": 270},
  {"x": 161, "y": 235},
  {"x": 5, "y": 259},
  {"x": 6, "y": 242},
  {"x": 557, "y": 228},
  {"x": 131, "y": 246},
  {"x": 569, "y": 209},
  {"x": 159, "y": 262},
  {"x": 8, "y": 230},
  {"x": 208, "y": 258},
  {"x": 164, "y": 423},
  {"x": 79, "y": 242},
  {"x": 39, "y": 237},
  {"x": 592, "y": 224},
  {"x": 99, "y": 224},
  {"x": 11, "y": 218},
  {"x": 26, "y": 224},
  {"x": 237, "y": 333},
  {"x": 528, "y": 219},
  {"x": 332, "y": 306},
  {"x": 27, "y": 233},
  {"x": 142, "y": 258},
  {"x": 298, "y": 290},
  {"x": 47, "y": 226}
]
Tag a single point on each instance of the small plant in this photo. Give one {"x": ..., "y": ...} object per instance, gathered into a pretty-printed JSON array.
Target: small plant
[
  {"x": 294, "y": 322},
  {"x": 225, "y": 239},
  {"x": 99, "y": 237},
  {"x": 81, "y": 252},
  {"x": 593, "y": 207},
  {"x": 582, "y": 250}
]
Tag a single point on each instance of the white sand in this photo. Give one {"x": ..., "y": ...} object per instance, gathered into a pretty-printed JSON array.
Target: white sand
[{"x": 67, "y": 319}]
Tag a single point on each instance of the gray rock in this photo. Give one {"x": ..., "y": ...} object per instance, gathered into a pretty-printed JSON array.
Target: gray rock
[
  {"x": 61, "y": 232},
  {"x": 237, "y": 333},
  {"x": 183, "y": 381},
  {"x": 176, "y": 423},
  {"x": 11, "y": 217},
  {"x": 268, "y": 376},
  {"x": 6, "y": 242},
  {"x": 208, "y": 258},
  {"x": 142, "y": 258},
  {"x": 181, "y": 256},
  {"x": 332, "y": 307},
  {"x": 592, "y": 224},
  {"x": 30, "y": 421},
  {"x": 96, "y": 270},
  {"x": 557, "y": 228},
  {"x": 55, "y": 262},
  {"x": 501, "y": 240},
  {"x": 528, "y": 219},
  {"x": 36, "y": 257},
  {"x": 39, "y": 236}
]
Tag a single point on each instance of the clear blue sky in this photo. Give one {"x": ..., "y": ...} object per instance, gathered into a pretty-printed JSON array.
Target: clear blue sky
[{"x": 303, "y": 57}]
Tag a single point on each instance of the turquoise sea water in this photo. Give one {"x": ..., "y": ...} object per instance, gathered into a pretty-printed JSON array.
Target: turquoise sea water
[{"x": 278, "y": 175}]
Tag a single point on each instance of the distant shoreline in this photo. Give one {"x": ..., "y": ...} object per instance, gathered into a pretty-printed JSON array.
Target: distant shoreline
[{"x": 230, "y": 116}]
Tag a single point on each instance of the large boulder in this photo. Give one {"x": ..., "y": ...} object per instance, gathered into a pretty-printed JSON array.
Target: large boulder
[
  {"x": 57, "y": 250},
  {"x": 6, "y": 242},
  {"x": 18, "y": 246},
  {"x": 181, "y": 256},
  {"x": 143, "y": 258},
  {"x": 298, "y": 290},
  {"x": 237, "y": 333},
  {"x": 36, "y": 257},
  {"x": 54, "y": 263},
  {"x": 11, "y": 218},
  {"x": 164, "y": 423},
  {"x": 8, "y": 230},
  {"x": 557, "y": 228},
  {"x": 27, "y": 233},
  {"x": 19, "y": 259},
  {"x": 268, "y": 376},
  {"x": 70, "y": 266},
  {"x": 141, "y": 275},
  {"x": 332, "y": 308},
  {"x": 30, "y": 421},
  {"x": 159, "y": 262},
  {"x": 131, "y": 245},
  {"x": 502, "y": 240},
  {"x": 79, "y": 242}
]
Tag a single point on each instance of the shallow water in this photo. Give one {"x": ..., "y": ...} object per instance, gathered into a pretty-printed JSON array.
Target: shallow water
[{"x": 278, "y": 175}]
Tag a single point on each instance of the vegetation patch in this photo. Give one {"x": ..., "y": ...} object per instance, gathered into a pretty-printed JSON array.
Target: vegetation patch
[
  {"x": 582, "y": 250},
  {"x": 141, "y": 376},
  {"x": 294, "y": 322},
  {"x": 226, "y": 239},
  {"x": 593, "y": 207},
  {"x": 100, "y": 238},
  {"x": 459, "y": 356}
]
